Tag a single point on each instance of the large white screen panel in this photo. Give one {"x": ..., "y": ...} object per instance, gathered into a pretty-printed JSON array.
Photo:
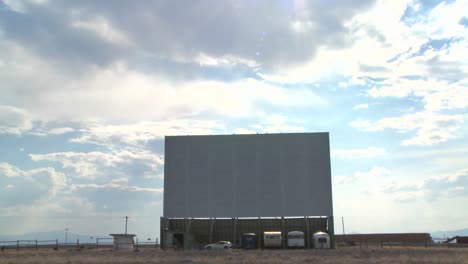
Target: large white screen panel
[{"x": 247, "y": 175}]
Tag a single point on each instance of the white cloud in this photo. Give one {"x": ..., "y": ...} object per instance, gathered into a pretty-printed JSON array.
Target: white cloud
[
  {"x": 14, "y": 120},
  {"x": 369, "y": 152},
  {"x": 275, "y": 123},
  {"x": 8, "y": 170},
  {"x": 139, "y": 133},
  {"x": 431, "y": 128},
  {"x": 437, "y": 95},
  {"x": 361, "y": 106},
  {"x": 374, "y": 172},
  {"x": 42, "y": 132},
  {"x": 103, "y": 28},
  {"x": 227, "y": 60},
  {"x": 129, "y": 188},
  {"x": 105, "y": 165},
  {"x": 120, "y": 94},
  {"x": 27, "y": 186},
  {"x": 431, "y": 189}
]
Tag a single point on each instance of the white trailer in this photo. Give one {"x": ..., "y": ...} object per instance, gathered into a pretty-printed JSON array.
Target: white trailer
[
  {"x": 321, "y": 240},
  {"x": 272, "y": 239},
  {"x": 296, "y": 239}
]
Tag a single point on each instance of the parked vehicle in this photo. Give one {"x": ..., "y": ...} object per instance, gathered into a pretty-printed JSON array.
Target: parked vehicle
[
  {"x": 219, "y": 245},
  {"x": 296, "y": 239},
  {"x": 249, "y": 241},
  {"x": 321, "y": 240},
  {"x": 272, "y": 239}
]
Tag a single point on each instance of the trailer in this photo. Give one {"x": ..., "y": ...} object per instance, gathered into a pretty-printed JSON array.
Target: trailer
[
  {"x": 321, "y": 240},
  {"x": 296, "y": 239},
  {"x": 272, "y": 239}
]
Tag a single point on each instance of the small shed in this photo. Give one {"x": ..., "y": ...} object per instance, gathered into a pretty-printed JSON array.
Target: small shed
[
  {"x": 462, "y": 239},
  {"x": 123, "y": 241}
]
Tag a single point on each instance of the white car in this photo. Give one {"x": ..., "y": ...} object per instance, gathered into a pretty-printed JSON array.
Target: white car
[{"x": 219, "y": 245}]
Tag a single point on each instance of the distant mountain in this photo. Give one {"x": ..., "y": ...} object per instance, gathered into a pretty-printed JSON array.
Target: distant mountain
[
  {"x": 52, "y": 235},
  {"x": 446, "y": 234}
]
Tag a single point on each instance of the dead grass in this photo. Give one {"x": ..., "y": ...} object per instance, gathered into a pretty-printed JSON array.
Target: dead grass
[{"x": 345, "y": 255}]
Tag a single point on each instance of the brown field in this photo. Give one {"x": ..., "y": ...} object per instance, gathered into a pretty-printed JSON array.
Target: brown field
[{"x": 343, "y": 255}]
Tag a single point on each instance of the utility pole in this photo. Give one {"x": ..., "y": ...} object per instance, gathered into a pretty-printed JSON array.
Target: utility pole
[
  {"x": 126, "y": 221},
  {"x": 342, "y": 222},
  {"x": 66, "y": 235}
]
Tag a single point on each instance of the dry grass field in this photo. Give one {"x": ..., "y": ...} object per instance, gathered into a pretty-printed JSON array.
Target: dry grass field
[{"x": 345, "y": 255}]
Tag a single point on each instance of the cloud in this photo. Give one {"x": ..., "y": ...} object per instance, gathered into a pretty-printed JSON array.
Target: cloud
[
  {"x": 104, "y": 166},
  {"x": 14, "y": 120},
  {"x": 121, "y": 94},
  {"x": 374, "y": 172},
  {"x": 432, "y": 189},
  {"x": 115, "y": 186},
  {"x": 436, "y": 95},
  {"x": 273, "y": 34},
  {"x": 369, "y": 152},
  {"x": 360, "y": 106},
  {"x": 39, "y": 131},
  {"x": 27, "y": 186},
  {"x": 139, "y": 134},
  {"x": 431, "y": 128},
  {"x": 275, "y": 123},
  {"x": 115, "y": 197}
]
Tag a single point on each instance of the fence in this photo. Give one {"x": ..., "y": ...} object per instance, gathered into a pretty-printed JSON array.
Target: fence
[
  {"x": 391, "y": 244},
  {"x": 101, "y": 242}
]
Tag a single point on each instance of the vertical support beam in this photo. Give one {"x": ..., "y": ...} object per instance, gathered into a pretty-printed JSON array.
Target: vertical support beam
[
  {"x": 283, "y": 233},
  {"x": 211, "y": 229},
  {"x": 234, "y": 219},
  {"x": 307, "y": 234},
  {"x": 331, "y": 231},
  {"x": 259, "y": 233},
  {"x": 162, "y": 231},
  {"x": 188, "y": 226}
]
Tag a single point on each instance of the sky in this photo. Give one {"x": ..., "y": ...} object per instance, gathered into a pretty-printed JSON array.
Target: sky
[{"x": 88, "y": 89}]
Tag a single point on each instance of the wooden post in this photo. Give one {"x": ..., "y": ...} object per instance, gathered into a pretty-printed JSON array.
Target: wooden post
[
  {"x": 56, "y": 244},
  {"x": 17, "y": 244},
  {"x": 283, "y": 235},
  {"x": 36, "y": 244}
]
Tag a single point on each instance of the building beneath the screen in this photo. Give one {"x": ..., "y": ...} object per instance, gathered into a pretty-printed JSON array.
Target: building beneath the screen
[{"x": 218, "y": 187}]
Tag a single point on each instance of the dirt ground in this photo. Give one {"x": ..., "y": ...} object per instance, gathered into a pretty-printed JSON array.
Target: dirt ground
[{"x": 345, "y": 255}]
